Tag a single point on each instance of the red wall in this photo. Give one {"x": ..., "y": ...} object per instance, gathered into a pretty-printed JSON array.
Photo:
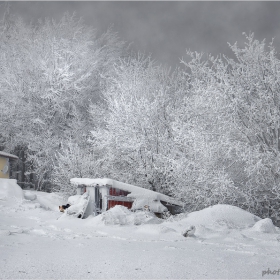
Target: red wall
[
  {"x": 112, "y": 203},
  {"x": 118, "y": 192}
]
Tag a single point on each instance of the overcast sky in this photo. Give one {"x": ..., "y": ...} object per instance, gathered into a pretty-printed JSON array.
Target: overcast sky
[{"x": 167, "y": 29}]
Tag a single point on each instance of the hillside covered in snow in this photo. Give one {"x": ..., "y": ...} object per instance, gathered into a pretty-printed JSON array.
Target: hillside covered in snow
[{"x": 39, "y": 242}]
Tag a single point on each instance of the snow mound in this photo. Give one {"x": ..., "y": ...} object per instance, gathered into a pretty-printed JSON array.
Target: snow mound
[
  {"x": 29, "y": 195},
  {"x": 222, "y": 216},
  {"x": 165, "y": 229},
  {"x": 120, "y": 215},
  {"x": 10, "y": 190},
  {"x": 4, "y": 232},
  {"x": 11, "y": 193},
  {"x": 264, "y": 225},
  {"x": 49, "y": 201}
]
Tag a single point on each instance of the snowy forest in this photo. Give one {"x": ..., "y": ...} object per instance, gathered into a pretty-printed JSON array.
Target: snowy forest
[{"x": 77, "y": 103}]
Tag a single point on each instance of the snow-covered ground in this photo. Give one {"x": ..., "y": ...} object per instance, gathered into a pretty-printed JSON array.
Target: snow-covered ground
[{"x": 37, "y": 241}]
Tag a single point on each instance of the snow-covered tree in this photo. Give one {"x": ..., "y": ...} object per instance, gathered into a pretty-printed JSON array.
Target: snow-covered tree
[
  {"x": 51, "y": 73},
  {"x": 252, "y": 88},
  {"x": 201, "y": 146},
  {"x": 137, "y": 134},
  {"x": 73, "y": 161},
  {"x": 230, "y": 119}
]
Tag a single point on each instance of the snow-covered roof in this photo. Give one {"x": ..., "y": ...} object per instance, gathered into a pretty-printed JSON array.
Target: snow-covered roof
[
  {"x": 135, "y": 192},
  {"x": 8, "y": 155}
]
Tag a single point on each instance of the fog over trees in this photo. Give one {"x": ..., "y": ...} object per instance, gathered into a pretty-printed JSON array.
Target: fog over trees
[{"x": 78, "y": 104}]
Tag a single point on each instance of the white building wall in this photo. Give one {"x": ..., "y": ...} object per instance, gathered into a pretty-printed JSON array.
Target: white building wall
[
  {"x": 104, "y": 192},
  {"x": 92, "y": 206}
]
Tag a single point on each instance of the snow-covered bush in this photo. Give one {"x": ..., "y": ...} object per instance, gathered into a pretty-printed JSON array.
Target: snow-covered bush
[{"x": 10, "y": 190}]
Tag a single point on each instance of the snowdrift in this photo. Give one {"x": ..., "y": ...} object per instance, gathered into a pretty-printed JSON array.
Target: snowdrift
[
  {"x": 10, "y": 190},
  {"x": 120, "y": 215},
  {"x": 222, "y": 216},
  {"x": 221, "y": 221},
  {"x": 11, "y": 193},
  {"x": 216, "y": 219},
  {"x": 265, "y": 226},
  {"x": 122, "y": 244},
  {"x": 29, "y": 195},
  {"x": 49, "y": 201}
]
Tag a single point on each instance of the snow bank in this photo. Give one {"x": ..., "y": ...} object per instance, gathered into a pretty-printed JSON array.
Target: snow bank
[
  {"x": 222, "y": 216},
  {"x": 120, "y": 215},
  {"x": 264, "y": 225},
  {"x": 220, "y": 221},
  {"x": 10, "y": 190},
  {"x": 214, "y": 221},
  {"x": 49, "y": 201}
]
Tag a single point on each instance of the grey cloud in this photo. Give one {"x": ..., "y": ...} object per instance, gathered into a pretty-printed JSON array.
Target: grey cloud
[{"x": 167, "y": 29}]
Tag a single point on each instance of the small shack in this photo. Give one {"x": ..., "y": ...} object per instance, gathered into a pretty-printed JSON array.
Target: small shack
[
  {"x": 106, "y": 193},
  {"x": 5, "y": 160}
]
